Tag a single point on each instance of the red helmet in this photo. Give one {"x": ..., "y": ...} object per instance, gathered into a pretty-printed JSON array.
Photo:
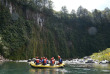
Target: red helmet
[
  {"x": 53, "y": 57},
  {"x": 43, "y": 57},
  {"x": 59, "y": 57},
  {"x": 36, "y": 57}
]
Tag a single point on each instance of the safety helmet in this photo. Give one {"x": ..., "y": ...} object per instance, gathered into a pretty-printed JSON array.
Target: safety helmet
[
  {"x": 59, "y": 57},
  {"x": 36, "y": 57}
]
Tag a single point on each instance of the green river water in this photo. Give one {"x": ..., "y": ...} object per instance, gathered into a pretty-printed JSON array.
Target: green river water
[{"x": 25, "y": 68}]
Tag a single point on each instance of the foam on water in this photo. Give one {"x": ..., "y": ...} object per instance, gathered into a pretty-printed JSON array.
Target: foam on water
[
  {"x": 77, "y": 68},
  {"x": 62, "y": 70},
  {"x": 86, "y": 69},
  {"x": 106, "y": 70},
  {"x": 21, "y": 61},
  {"x": 82, "y": 72}
]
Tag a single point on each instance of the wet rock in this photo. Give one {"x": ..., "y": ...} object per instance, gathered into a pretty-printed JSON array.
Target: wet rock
[{"x": 2, "y": 59}]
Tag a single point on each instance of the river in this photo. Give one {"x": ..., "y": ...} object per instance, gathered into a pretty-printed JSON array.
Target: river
[{"x": 25, "y": 68}]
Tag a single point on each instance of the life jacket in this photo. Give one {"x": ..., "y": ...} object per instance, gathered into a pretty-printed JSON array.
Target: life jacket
[
  {"x": 37, "y": 60},
  {"x": 41, "y": 58},
  {"x": 45, "y": 61},
  {"x": 53, "y": 61},
  {"x": 60, "y": 60}
]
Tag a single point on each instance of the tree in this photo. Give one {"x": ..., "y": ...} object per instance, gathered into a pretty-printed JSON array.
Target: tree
[
  {"x": 64, "y": 10},
  {"x": 73, "y": 14},
  {"x": 82, "y": 12},
  {"x": 44, "y": 3},
  {"x": 107, "y": 13},
  {"x": 38, "y": 2},
  {"x": 97, "y": 16},
  {"x": 50, "y": 4}
]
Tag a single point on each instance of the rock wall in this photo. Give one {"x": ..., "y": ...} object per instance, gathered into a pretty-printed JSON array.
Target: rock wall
[
  {"x": 1, "y": 58},
  {"x": 38, "y": 18}
]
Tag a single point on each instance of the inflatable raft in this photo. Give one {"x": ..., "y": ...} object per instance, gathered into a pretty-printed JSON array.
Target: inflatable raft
[{"x": 46, "y": 66}]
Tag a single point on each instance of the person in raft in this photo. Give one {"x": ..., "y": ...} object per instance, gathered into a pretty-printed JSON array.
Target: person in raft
[
  {"x": 60, "y": 60},
  {"x": 37, "y": 61},
  {"x": 44, "y": 61},
  {"x": 52, "y": 61},
  {"x": 41, "y": 59}
]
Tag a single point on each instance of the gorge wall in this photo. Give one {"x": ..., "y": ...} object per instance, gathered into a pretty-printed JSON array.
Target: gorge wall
[{"x": 27, "y": 31}]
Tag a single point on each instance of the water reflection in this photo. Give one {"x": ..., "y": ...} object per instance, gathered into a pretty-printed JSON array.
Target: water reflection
[
  {"x": 47, "y": 71},
  {"x": 102, "y": 66},
  {"x": 89, "y": 68},
  {"x": 82, "y": 65},
  {"x": 1, "y": 63}
]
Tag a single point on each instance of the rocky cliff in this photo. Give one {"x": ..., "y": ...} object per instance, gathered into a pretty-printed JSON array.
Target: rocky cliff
[{"x": 29, "y": 29}]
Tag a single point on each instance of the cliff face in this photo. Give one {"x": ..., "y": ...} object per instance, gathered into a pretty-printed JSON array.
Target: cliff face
[
  {"x": 24, "y": 11},
  {"x": 27, "y": 37},
  {"x": 28, "y": 30}
]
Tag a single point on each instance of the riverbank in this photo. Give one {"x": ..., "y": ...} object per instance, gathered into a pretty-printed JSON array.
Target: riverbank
[
  {"x": 2, "y": 59},
  {"x": 102, "y": 55}
]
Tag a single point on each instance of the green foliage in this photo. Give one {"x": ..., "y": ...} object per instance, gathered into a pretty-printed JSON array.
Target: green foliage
[
  {"x": 72, "y": 35},
  {"x": 102, "y": 55},
  {"x": 14, "y": 33}
]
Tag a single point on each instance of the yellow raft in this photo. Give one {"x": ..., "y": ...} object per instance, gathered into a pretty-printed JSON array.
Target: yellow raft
[{"x": 46, "y": 66}]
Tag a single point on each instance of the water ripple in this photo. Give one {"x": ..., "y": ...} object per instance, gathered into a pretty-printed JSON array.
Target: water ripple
[{"x": 106, "y": 71}]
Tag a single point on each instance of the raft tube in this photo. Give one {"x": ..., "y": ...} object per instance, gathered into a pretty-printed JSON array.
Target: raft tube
[{"x": 46, "y": 66}]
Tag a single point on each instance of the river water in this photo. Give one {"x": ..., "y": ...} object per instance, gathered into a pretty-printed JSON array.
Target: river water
[{"x": 25, "y": 68}]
